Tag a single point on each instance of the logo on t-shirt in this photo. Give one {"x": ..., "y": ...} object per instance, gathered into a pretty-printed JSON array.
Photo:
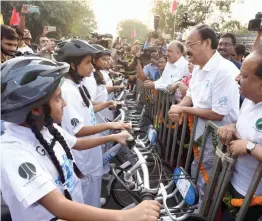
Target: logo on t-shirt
[
  {"x": 75, "y": 122},
  {"x": 259, "y": 125},
  {"x": 27, "y": 170},
  {"x": 40, "y": 150}
]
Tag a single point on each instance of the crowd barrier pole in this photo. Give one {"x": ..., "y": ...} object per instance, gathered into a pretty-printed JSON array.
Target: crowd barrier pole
[
  {"x": 250, "y": 193},
  {"x": 174, "y": 144},
  {"x": 165, "y": 119},
  {"x": 191, "y": 144},
  {"x": 182, "y": 139},
  {"x": 167, "y": 149}
]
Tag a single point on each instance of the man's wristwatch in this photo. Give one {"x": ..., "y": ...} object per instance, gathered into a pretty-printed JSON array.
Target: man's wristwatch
[{"x": 250, "y": 146}]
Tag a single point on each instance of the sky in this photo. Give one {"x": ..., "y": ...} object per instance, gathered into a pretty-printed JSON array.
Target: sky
[{"x": 110, "y": 12}]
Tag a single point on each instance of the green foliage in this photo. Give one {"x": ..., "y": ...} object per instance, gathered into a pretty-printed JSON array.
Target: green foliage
[
  {"x": 70, "y": 17},
  {"x": 126, "y": 27},
  {"x": 188, "y": 13}
]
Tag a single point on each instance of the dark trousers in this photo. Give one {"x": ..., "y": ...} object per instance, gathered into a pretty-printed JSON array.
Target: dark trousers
[{"x": 253, "y": 212}]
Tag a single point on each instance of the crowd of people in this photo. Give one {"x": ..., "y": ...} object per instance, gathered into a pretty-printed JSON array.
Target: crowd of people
[{"x": 56, "y": 101}]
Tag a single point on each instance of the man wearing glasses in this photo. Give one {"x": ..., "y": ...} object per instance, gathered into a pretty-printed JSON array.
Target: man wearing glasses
[
  {"x": 226, "y": 48},
  {"x": 213, "y": 92}
]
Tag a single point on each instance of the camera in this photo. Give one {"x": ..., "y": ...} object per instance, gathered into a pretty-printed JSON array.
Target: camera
[{"x": 256, "y": 24}]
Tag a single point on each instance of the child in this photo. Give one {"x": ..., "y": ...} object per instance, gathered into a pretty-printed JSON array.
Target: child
[{"x": 39, "y": 178}]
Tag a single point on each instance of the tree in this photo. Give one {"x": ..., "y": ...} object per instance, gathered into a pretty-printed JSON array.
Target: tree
[
  {"x": 188, "y": 13},
  {"x": 126, "y": 27},
  {"x": 70, "y": 17}
]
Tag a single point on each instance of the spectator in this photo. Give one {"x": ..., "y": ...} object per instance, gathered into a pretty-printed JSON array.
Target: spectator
[
  {"x": 9, "y": 42},
  {"x": 248, "y": 128},
  {"x": 27, "y": 37},
  {"x": 151, "y": 70},
  {"x": 212, "y": 91},
  {"x": 44, "y": 47},
  {"x": 226, "y": 47},
  {"x": 161, "y": 44},
  {"x": 175, "y": 70},
  {"x": 22, "y": 46},
  {"x": 240, "y": 52},
  {"x": 161, "y": 63},
  {"x": 53, "y": 44},
  {"x": 180, "y": 88}
]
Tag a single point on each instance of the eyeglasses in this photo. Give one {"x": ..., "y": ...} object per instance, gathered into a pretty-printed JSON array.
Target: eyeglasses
[{"x": 189, "y": 46}]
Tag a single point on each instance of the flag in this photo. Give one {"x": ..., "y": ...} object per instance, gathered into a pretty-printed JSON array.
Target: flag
[
  {"x": 15, "y": 18},
  {"x": 1, "y": 19},
  {"x": 133, "y": 34},
  {"x": 174, "y": 6}
]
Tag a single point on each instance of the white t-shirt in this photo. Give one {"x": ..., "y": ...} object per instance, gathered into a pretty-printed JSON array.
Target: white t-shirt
[
  {"x": 25, "y": 49},
  {"x": 108, "y": 81},
  {"x": 102, "y": 96},
  {"x": 214, "y": 87},
  {"x": 77, "y": 115},
  {"x": 172, "y": 73},
  {"x": 248, "y": 129},
  {"x": 28, "y": 174},
  {"x": 90, "y": 83}
]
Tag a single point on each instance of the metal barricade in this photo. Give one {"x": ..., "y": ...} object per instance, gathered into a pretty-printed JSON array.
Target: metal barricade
[{"x": 173, "y": 154}]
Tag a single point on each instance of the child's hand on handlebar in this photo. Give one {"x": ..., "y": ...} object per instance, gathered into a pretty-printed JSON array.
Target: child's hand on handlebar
[
  {"x": 122, "y": 137},
  {"x": 120, "y": 126},
  {"x": 145, "y": 211}
]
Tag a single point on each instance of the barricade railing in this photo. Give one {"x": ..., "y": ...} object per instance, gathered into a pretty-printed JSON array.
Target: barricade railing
[{"x": 172, "y": 138}]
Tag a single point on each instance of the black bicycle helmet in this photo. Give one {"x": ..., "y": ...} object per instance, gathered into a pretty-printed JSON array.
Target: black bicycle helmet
[
  {"x": 102, "y": 51},
  {"x": 28, "y": 82},
  {"x": 73, "y": 48}
]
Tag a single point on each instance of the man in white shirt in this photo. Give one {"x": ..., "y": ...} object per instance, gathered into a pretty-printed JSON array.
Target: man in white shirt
[
  {"x": 248, "y": 128},
  {"x": 176, "y": 68},
  {"x": 212, "y": 91}
]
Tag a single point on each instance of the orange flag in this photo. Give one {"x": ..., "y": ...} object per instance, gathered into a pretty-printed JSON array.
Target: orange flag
[{"x": 15, "y": 18}]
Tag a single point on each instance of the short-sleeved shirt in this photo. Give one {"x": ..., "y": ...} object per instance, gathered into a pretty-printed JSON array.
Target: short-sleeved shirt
[
  {"x": 90, "y": 84},
  {"x": 248, "y": 128},
  {"x": 172, "y": 73},
  {"x": 152, "y": 72},
  {"x": 214, "y": 87},
  {"x": 108, "y": 81},
  {"x": 28, "y": 174},
  {"x": 76, "y": 116}
]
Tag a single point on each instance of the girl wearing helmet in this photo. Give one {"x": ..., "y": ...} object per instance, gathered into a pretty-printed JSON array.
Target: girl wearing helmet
[
  {"x": 39, "y": 178},
  {"x": 79, "y": 118}
]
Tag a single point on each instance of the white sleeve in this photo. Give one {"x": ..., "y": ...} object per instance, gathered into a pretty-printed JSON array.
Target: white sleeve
[
  {"x": 223, "y": 94},
  {"x": 70, "y": 140},
  {"x": 27, "y": 178},
  {"x": 163, "y": 81},
  {"x": 72, "y": 120}
]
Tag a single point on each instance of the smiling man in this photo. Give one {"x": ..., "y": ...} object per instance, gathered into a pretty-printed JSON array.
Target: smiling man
[
  {"x": 226, "y": 47},
  {"x": 248, "y": 148},
  {"x": 212, "y": 91},
  {"x": 176, "y": 67}
]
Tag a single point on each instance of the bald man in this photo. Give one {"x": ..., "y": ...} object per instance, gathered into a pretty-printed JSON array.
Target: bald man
[{"x": 176, "y": 68}]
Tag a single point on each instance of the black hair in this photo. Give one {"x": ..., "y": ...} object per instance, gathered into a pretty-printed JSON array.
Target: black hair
[
  {"x": 18, "y": 31},
  {"x": 230, "y": 35},
  {"x": 240, "y": 49},
  {"x": 38, "y": 38},
  {"x": 97, "y": 74},
  {"x": 8, "y": 33},
  {"x": 258, "y": 51},
  {"x": 207, "y": 32},
  {"x": 76, "y": 78}
]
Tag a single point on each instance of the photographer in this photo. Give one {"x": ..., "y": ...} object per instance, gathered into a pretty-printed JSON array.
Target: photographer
[{"x": 151, "y": 70}]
